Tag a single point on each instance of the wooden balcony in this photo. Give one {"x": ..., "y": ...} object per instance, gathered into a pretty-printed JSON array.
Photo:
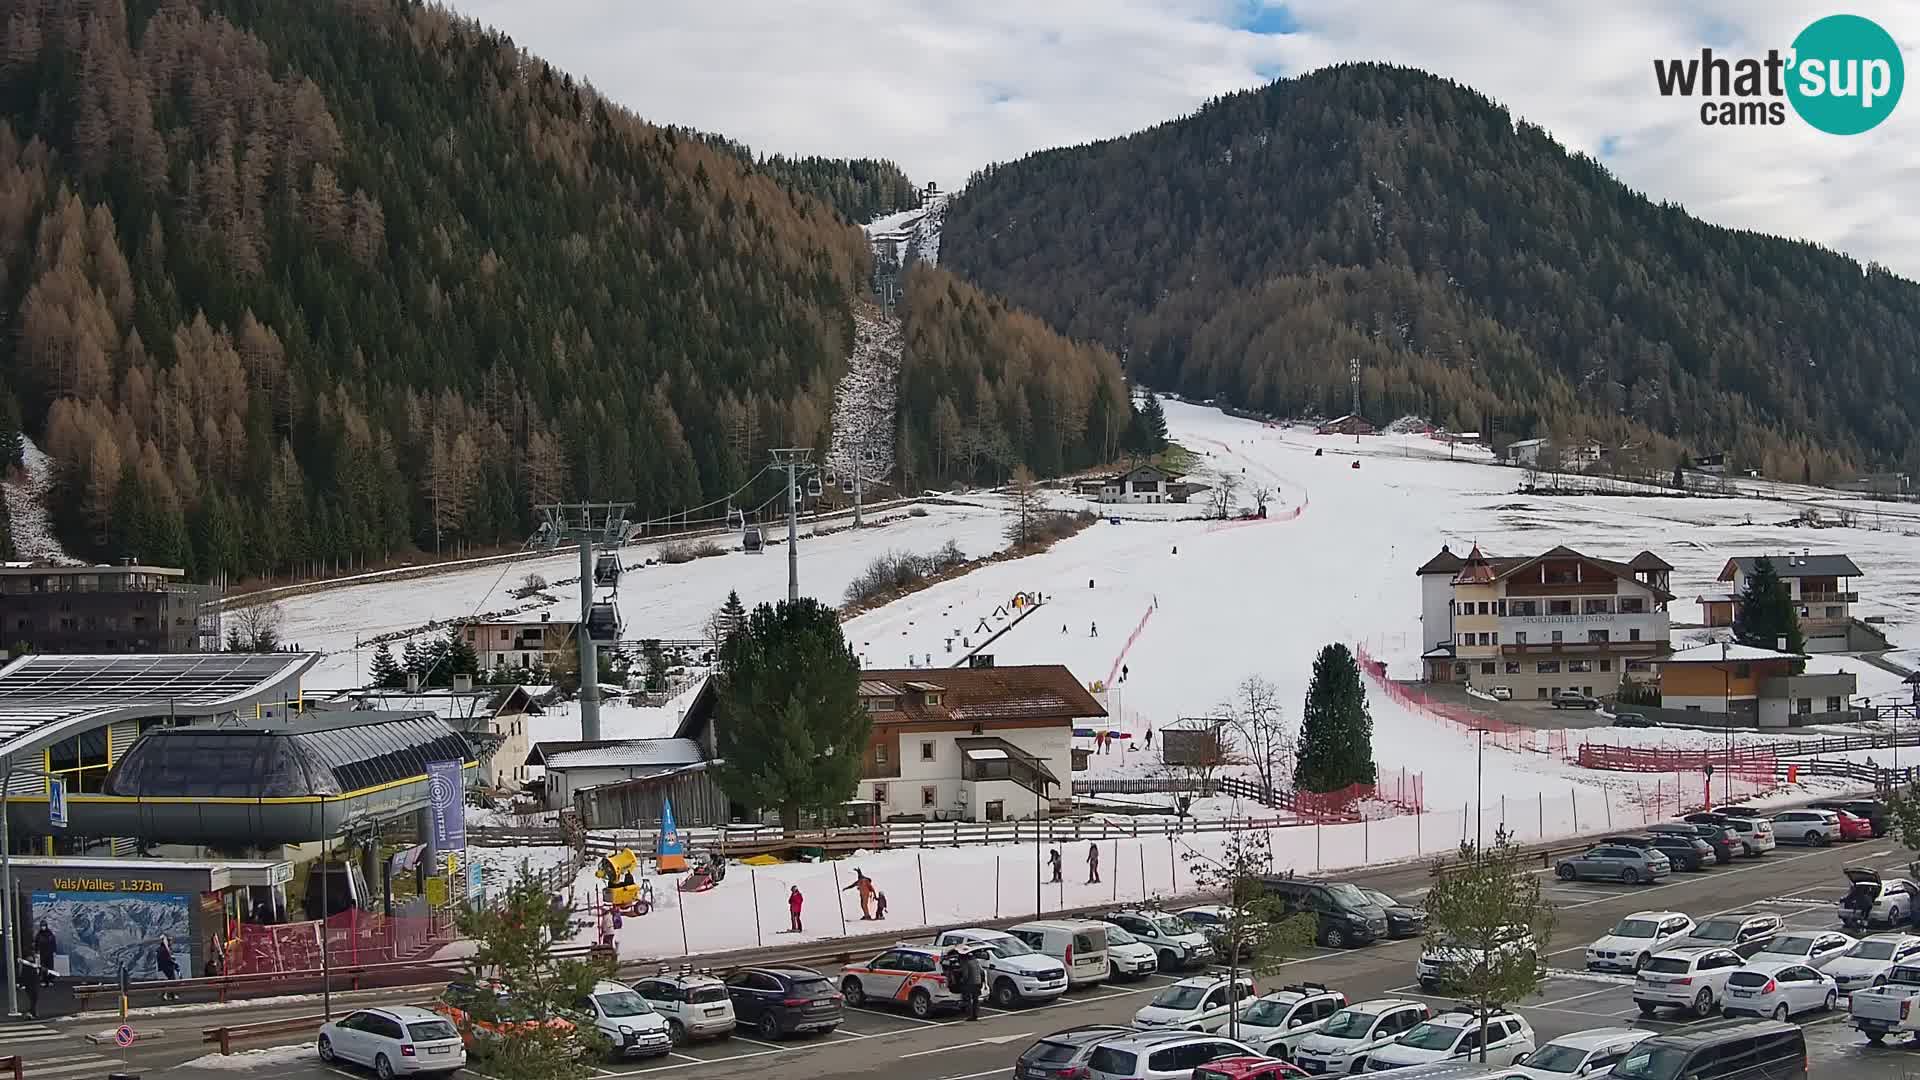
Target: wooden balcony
[
  {"x": 1829, "y": 597},
  {"x": 1606, "y": 587},
  {"x": 1596, "y": 648}
]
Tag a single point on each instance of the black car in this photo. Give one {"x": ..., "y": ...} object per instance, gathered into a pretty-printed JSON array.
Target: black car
[
  {"x": 1685, "y": 852},
  {"x": 1631, "y": 719},
  {"x": 1724, "y": 844},
  {"x": 1403, "y": 920},
  {"x": 780, "y": 1000},
  {"x": 1064, "y": 1053},
  {"x": 1346, "y": 915},
  {"x": 1639, "y": 840},
  {"x": 1874, "y": 812}
]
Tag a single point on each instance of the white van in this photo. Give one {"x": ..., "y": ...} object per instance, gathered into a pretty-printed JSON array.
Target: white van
[{"x": 1079, "y": 944}]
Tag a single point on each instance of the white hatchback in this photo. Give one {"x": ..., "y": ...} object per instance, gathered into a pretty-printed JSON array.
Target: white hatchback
[
  {"x": 1591, "y": 1053},
  {"x": 1016, "y": 972},
  {"x": 1455, "y": 1036},
  {"x": 1201, "y": 1003},
  {"x": 1128, "y": 957},
  {"x": 1780, "y": 989},
  {"x": 395, "y": 1040}
]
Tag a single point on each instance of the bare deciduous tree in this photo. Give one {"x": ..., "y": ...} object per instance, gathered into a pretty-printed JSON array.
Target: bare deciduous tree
[
  {"x": 1226, "y": 487},
  {"x": 1029, "y": 507},
  {"x": 1262, "y": 495},
  {"x": 1259, "y": 725},
  {"x": 255, "y": 629}
]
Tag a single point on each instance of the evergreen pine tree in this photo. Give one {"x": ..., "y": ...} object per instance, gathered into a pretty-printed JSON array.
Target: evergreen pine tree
[
  {"x": 12, "y": 446},
  {"x": 1766, "y": 611},
  {"x": 788, "y": 720},
  {"x": 1336, "y": 729},
  {"x": 733, "y": 614},
  {"x": 656, "y": 665},
  {"x": 1153, "y": 425},
  {"x": 412, "y": 661},
  {"x": 456, "y": 657},
  {"x": 384, "y": 673}
]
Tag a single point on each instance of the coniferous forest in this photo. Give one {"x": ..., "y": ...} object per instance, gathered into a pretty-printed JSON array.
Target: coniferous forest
[
  {"x": 311, "y": 283},
  {"x": 1483, "y": 276}
]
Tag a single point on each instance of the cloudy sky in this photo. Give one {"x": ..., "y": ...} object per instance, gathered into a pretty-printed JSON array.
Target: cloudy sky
[{"x": 945, "y": 86}]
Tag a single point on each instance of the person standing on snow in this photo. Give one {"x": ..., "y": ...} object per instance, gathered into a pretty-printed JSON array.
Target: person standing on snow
[
  {"x": 1053, "y": 860},
  {"x": 794, "y": 902},
  {"x": 1093, "y": 864}
]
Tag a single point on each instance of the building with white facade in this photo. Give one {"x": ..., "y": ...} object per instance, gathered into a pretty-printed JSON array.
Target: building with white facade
[
  {"x": 971, "y": 744},
  {"x": 1821, "y": 588},
  {"x": 1542, "y": 623},
  {"x": 574, "y": 766}
]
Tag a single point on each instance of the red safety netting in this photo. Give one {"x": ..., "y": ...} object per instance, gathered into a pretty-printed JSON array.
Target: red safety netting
[
  {"x": 353, "y": 937},
  {"x": 1750, "y": 761},
  {"x": 1499, "y": 733},
  {"x": 1391, "y": 794}
]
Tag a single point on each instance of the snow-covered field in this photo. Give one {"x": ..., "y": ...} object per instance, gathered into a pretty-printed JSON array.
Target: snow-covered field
[{"x": 667, "y": 602}]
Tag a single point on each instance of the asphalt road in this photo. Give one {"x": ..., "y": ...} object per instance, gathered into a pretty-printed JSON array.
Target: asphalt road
[{"x": 1798, "y": 884}]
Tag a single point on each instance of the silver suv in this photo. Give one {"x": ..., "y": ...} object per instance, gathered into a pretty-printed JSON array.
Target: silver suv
[{"x": 1160, "y": 1056}]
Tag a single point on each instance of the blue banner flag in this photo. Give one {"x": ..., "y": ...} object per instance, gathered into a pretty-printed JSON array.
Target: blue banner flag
[
  {"x": 448, "y": 808},
  {"x": 669, "y": 832}
]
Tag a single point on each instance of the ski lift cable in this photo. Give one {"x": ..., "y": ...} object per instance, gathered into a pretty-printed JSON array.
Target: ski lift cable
[{"x": 681, "y": 513}]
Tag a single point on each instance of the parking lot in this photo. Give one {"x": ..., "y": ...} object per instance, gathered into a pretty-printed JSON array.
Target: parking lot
[{"x": 1800, "y": 885}]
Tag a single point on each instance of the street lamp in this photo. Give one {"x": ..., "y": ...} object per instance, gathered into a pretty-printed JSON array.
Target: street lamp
[
  {"x": 1726, "y": 718},
  {"x": 1479, "y": 773}
]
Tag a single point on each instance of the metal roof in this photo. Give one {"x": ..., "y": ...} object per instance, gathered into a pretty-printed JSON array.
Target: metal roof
[
  {"x": 1793, "y": 566},
  {"x": 46, "y": 696}
]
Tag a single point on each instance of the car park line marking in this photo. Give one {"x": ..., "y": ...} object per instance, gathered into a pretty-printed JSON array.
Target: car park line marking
[
  {"x": 756, "y": 1042},
  {"x": 989, "y": 1041},
  {"x": 1576, "y": 997},
  {"x": 687, "y": 1064},
  {"x": 894, "y": 1016},
  {"x": 845, "y": 1034},
  {"x": 978, "y": 1075},
  {"x": 684, "y": 1057}
]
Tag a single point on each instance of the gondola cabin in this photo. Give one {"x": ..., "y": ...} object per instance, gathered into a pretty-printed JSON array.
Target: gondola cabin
[
  {"x": 603, "y": 624},
  {"x": 606, "y": 570},
  {"x": 813, "y": 487},
  {"x": 750, "y": 541}
]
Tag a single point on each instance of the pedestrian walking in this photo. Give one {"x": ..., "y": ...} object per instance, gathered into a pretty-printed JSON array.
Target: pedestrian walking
[
  {"x": 1093, "y": 864},
  {"x": 879, "y": 905},
  {"x": 169, "y": 967},
  {"x": 1093, "y": 629},
  {"x": 1123, "y": 673},
  {"x": 794, "y": 902},
  {"x": 1149, "y": 738},
  {"x": 1063, "y": 628},
  {"x": 46, "y": 945},
  {"x": 1053, "y": 860}
]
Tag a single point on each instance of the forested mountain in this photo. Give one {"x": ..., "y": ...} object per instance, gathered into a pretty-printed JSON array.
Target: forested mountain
[
  {"x": 860, "y": 188},
  {"x": 1483, "y": 276},
  {"x": 314, "y": 282}
]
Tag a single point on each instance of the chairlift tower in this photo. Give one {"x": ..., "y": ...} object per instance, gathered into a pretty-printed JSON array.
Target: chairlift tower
[
  {"x": 795, "y": 460},
  {"x": 1353, "y": 377},
  {"x": 585, "y": 524}
]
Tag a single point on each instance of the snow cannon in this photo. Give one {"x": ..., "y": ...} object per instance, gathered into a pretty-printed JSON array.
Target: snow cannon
[{"x": 616, "y": 873}]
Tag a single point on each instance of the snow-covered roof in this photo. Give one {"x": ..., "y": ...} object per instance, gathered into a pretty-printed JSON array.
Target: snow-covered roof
[
  {"x": 616, "y": 754},
  {"x": 1710, "y": 654}
]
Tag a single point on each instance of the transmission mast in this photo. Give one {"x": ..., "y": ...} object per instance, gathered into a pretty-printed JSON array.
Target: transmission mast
[
  {"x": 585, "y": 524},
  {"x": 797, "y": 461},
  {"x": 1353, "y": 377}
]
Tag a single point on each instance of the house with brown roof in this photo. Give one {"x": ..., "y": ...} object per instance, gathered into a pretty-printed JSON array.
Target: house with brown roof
[{"x": 1538, "y": 624}]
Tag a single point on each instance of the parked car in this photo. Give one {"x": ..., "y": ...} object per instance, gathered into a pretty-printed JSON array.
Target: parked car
[
  {"x": 1684, "y": 852},
  {"x": 1456, "y": 1034},
  {"x": 1690, "y": 978},
  {"x": 1879, "y": 1011},
  {"x": 1246, "y": 1068},
  {"x": 1213, "y": 921},
  {"x": 1574, "y": 699},
  {"x": 1346, "y": 915},
  {"x": 1176, "y": 943},
  {"x": 695, "y": 1004},
  {"x": 1755, "y": 833},
  {"x": 1403, "y": 920},
  {"x": 1591, "y": 1054},
  {"x": 1343, "y": 1042},
  {"x": 903, "y": 975},
  {"x": 1632, "y": 719},
  {"x": 1063, "y": 1054},
  {"x": 1615, "y": 862},
  {"x": 1160, "y": 1055},
  {"x": 782, "y": 999},
  {"x": 1279, "y": 1020},
  {"x": 1853, "y": 827},
  {"x": 1079, "y": 944},
  {"x": 1440, "y": 959},
  {"x": 1875, "y": 812},
  {"x": 1745, "y": 932},
  {"x": 1634, "y": 939},
  {"x": 1725, "y": 845},
  {"x": 394, "y": 1039},
  {"x": 1778, "y": 988},
  {"x": 1816, "y": 948},
  {"x": 624, "y": 1019},
  {"x": 1814, "y": 828},
  {"x": 1500, "y": 693},
  {"x": 1761, "y": 1050},
  {"x": 1128, "y": 958},
  {"x": 1016, "y": 972},
  {"x": 1868, "y": 961},
  {"x": 1201, "y": 1003},
  {"x": 1875, "y": 900}
]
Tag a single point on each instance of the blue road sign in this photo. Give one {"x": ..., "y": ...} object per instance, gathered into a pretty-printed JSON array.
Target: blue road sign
[{"x": 57, "y": 802}]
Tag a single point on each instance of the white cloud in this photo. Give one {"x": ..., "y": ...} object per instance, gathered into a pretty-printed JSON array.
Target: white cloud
[{"x": 944, "y": 87}]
